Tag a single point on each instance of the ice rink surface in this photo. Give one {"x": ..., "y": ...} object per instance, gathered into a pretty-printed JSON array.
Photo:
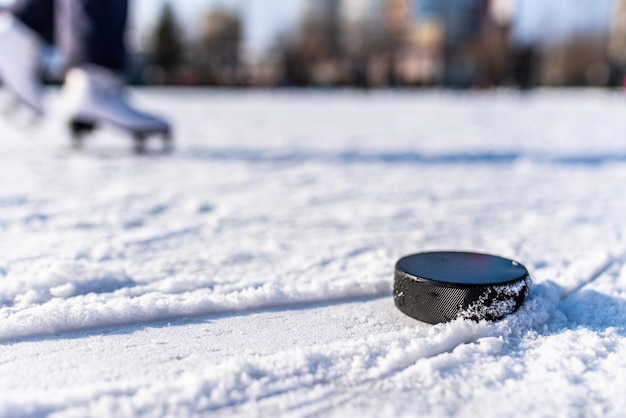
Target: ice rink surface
[{"x": 249, "y": 273}]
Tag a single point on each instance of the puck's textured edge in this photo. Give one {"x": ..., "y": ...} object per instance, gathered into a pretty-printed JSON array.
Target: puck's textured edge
[
  {"x": 498, "y": 301},
  {"x": 434, "y": 302}
]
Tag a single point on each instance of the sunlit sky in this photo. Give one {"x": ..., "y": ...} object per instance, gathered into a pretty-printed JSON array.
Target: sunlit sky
[{"x": 556, "y": 19}]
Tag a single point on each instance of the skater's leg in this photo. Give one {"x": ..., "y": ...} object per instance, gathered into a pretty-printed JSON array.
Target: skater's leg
[
  {"x": 23, "y": 27},
  {"x": 38, "y": 15},
  {"x": 92, "y": 32},
  {"x": 89, "y": 31},
  {"x": 92, "y": 36}
]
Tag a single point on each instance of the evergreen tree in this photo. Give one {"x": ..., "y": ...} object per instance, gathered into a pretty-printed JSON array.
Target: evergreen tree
[{"x": 167, "y": 44}]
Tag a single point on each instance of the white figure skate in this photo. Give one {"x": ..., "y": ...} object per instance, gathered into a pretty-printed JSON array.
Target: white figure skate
[
  {"x": 20, "y": 50},
  {"x": 94, "y": 95}
]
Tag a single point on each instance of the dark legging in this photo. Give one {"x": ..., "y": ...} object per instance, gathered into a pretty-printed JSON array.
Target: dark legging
[{"x": 87, "y": 31}]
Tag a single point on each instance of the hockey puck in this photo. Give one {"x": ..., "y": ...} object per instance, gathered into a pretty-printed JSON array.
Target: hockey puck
[{"x": 441, "y": 286}]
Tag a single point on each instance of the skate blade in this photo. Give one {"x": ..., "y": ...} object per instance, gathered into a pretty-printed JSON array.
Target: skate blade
[
  {"x": 109, "y": 152},
  {"x": 141, "y": 139},
  {"x": 143, "y": 142},
  {"x": 151, "y": 144}
]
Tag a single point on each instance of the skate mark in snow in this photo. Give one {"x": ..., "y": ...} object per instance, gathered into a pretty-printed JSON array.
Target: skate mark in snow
[
  {"x": 58, "y": 318},
  {"x": 315, "y": 372},
  {"x": 163, "y": 236},
  {"x": 612, "y": 261}
]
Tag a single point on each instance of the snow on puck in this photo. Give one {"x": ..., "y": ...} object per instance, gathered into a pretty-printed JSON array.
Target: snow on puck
[{"x": 440, "y": 286}]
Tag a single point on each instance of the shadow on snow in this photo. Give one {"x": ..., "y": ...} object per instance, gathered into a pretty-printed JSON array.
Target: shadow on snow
[{"x": 595, "y": 311}]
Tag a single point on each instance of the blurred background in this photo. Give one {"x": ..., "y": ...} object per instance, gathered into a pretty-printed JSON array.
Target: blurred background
[{"x": 375, "y": 43}]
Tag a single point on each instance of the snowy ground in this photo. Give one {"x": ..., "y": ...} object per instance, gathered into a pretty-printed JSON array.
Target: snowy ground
[{"x": 250, "y": 272}]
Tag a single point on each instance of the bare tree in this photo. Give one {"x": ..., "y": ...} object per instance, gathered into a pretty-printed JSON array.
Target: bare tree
[{"x": 218, "y": 55}]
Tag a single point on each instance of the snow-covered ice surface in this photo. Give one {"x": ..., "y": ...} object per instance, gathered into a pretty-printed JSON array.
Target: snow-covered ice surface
[{"x": 250, "y": 272}]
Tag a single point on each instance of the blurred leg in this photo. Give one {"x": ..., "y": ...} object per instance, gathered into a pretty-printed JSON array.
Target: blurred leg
[
  {"x": 93, "y": 32},
  {"x": 23, "y": 27},
  {"x": 38, "y": 15}
]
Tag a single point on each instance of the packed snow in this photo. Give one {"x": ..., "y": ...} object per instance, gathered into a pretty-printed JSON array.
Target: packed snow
[{"x": 250, "y": 272}]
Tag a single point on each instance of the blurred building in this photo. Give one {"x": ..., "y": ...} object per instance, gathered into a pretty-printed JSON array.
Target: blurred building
[
  {"x": 441, "y": 38},
  {"x": 491, "y": 48},
  {"x": 320, "y": 26},
  {"x": 388, "y": 42},
  {"x": 501, "y": 12},
  {"x": 361, "y": 22},
  {"x": 398, "y": 16},
  {"x": 419, "y": 61},
  {"x": 320, "y": 9}
]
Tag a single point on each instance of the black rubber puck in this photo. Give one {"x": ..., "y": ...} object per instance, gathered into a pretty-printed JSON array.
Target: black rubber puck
[{"x": 438, "y": 287}]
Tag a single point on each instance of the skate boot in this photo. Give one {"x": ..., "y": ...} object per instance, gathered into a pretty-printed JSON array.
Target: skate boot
[
  {"x": 20, "y": 50},
  {"x": 94, "y": 95}
]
